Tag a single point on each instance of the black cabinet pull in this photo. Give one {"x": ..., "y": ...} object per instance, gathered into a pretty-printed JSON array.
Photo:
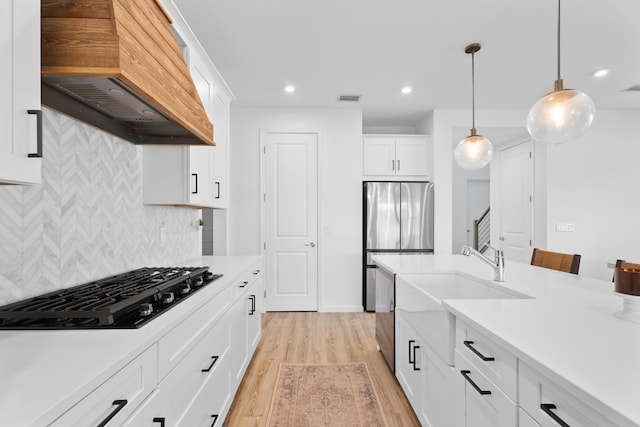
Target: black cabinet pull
[
  {"x": 547, "y": 408},
  {"x": 218, "y": 189},
  {"x": 243, "y": 284},
  {"x": 398, "y": 161},
  {"x": 159, "y": 420},
  {"x": 215, "y": 359},
  {"x": 415, "y": 368},
  {"x": 119, "y": 404},
  {"x": 465, "y": 374},
  {"x": 393, "y": 165},
  {"x": 469, "y": 345},
  {"x": 38, "y": 152},
  {"x": 256, "y": 272},
  {"x": 215, "y": 418},
  {"x": 410, "y": 342},
  {"x": 253, "y": 304},
  {"x": 196, "y": 189}
]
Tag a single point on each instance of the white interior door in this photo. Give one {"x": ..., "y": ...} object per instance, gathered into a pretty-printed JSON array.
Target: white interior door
[
  {"x": 291, "y": 214},
  {"x": 516, "y": 218}
]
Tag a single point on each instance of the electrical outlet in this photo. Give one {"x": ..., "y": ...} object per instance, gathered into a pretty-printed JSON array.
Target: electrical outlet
[{"x": 565, "y": 227}]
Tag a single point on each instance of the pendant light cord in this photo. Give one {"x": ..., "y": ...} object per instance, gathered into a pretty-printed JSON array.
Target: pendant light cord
[
  {"x": 558, "y": 40},
  {"x": 473, "y": 94}
]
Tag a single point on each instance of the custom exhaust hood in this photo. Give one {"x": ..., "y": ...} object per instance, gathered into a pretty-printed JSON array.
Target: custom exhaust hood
[{"x": 116, "y": 65}]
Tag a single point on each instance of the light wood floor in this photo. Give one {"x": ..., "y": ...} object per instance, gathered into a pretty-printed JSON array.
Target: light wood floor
[{"x": 315, "y": 338}]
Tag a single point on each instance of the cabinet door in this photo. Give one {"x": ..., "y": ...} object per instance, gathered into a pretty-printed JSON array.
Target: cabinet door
[
  {"x": 254, "y": 324},
  {"x": 117, "y": 397},
  {"x": 408, "y": 363},
  {"x": 200, "y": 176},
  {"x": 19, "y": 91},
  {"x": 238, "y": 315},
  {"x": 411, "y": 156},
  {"x": 551, "y": 405},
  {"x": 437, "y": 394},
  {"x": 480, "y": 403},
  {"x": 220, "y": 157},
  {"x": 379, "y": 155}
]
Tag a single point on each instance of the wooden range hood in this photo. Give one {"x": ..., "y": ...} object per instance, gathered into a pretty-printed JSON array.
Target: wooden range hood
[{"x": 116, "y": 65}]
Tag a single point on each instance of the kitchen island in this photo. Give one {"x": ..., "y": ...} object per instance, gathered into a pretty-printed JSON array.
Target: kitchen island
[
  {"x": 564, "y": 333},
  {"x": 82, "y": 377}
]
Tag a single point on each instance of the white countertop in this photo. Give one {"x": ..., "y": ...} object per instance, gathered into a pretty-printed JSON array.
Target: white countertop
[
  {"x": 567, "y": 330},
  {"x": 44, "y": 371}
]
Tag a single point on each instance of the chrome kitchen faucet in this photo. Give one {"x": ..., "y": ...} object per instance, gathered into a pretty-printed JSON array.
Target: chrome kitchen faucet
[{"x": 497, "y": 263}]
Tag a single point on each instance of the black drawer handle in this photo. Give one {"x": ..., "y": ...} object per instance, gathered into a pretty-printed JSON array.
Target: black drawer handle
[
  {"x": 256, "y": 272},
  {"x": 215, "y": 359},
  {"x": 119, "y": 404},
  {"x": 196, "y": 189},
  {"x": 415, "y": 368},
  {"x": 215, "y": 418},
  {"x": 411, "y": 361},
  {"x": 243, "y": 284},
  {"x": 253, "y": 304},
  {"x": 465, "y": 374},
  {"x": 547, "y": 408},
  {"x": 469, "y": 345},
  {"x": 38, "y": 152},
  {"x": 159, "y": 420}
]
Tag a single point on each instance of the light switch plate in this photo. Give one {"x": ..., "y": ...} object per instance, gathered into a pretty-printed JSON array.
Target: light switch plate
[{"x": 565, "y": 227}]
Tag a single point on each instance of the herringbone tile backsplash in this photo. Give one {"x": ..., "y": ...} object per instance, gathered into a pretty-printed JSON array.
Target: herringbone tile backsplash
[{"x": 86, "y": 220}]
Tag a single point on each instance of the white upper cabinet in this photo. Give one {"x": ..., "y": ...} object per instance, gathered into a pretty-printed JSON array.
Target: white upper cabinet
[
  {"x": 397, "y": 155},
  {"x": 20, "y": 116},
  {"x": 193, "y": 176}
]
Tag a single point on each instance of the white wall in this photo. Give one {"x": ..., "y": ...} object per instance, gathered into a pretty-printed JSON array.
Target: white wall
[
  {"x": 593, "y": 183},
  {"x": 340, "y": 193}
]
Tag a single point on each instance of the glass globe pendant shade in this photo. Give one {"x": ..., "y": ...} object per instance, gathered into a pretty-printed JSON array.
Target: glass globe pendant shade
[
  {"x": 560, "y": 116},
  {"x": 473, "y": 152}
]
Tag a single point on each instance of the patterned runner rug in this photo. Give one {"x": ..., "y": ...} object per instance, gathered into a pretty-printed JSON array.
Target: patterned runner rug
[{"x": 319, "y": 395}]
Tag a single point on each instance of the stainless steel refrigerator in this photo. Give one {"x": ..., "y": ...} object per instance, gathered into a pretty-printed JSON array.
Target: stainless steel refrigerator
[{"x": 398, "y": 218}]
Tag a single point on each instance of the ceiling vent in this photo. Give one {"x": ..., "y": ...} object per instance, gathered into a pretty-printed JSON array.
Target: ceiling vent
[
  {"x": 349, "y": 98},
  {"x": 634, "y": 88}
]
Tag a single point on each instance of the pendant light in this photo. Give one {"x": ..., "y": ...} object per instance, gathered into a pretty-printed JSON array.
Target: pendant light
[
  {"x": 561, "y": 115},
  {"x": 475, "y": 151}
]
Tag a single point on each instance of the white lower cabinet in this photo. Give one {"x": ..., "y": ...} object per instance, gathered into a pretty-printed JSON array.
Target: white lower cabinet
[
  {"x": 425, "y": 379},
  {"x": 247, "y": 323},
  {"x": 479, "y": 401},
  {"x": 117, "y": 398},
  {"x": 188, "y": 378},
  {"x": 550, "y": 405}
]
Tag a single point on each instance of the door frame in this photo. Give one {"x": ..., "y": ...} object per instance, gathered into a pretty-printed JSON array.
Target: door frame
[
  {"x": 263, "y": 217},
  {"x": 495, "y": 198}
]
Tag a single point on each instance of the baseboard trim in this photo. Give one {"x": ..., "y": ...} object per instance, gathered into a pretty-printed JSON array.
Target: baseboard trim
[{"x": 341, "y": 309}]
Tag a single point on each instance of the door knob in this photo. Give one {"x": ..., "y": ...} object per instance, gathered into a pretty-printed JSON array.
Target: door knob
[{"x": 313, "y": 245}]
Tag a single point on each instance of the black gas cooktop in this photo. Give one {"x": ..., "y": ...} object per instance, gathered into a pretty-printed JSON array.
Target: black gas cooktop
[{"x": 128, "y": 300}]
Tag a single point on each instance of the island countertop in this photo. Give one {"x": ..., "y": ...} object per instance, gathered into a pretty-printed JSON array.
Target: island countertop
[{"x": 566, "y": 331}]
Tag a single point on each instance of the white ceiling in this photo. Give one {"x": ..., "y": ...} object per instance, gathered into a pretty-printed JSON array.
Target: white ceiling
[{"x": 375, "y": 47}]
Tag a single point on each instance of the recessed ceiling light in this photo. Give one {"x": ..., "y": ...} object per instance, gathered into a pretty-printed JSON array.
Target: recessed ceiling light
[
  {"x": 289, "y": 89},
  {"x": 601, "y": 73},
  {"x": 406, "y": 89}
]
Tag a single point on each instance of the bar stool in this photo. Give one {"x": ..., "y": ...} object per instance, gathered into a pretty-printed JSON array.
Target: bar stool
[{"x": 556, "y": 261}]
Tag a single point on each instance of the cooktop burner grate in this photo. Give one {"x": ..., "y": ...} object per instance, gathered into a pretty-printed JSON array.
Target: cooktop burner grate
[{"x": 126, "y": 300}]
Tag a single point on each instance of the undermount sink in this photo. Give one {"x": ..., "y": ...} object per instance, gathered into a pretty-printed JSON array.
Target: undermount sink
[{"x": 420, "y": 296}]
